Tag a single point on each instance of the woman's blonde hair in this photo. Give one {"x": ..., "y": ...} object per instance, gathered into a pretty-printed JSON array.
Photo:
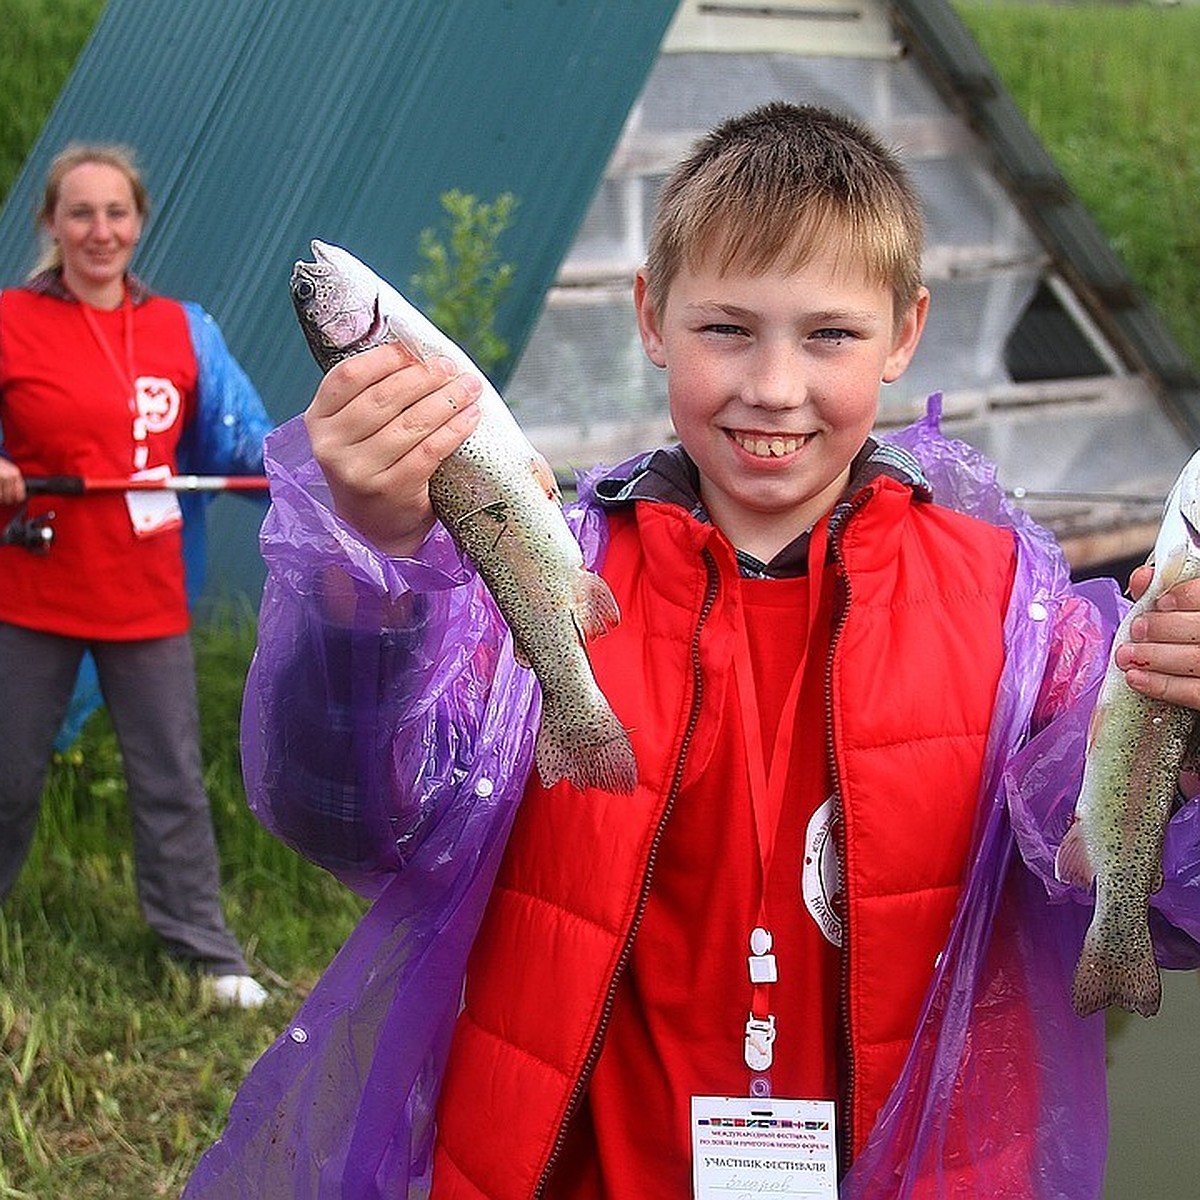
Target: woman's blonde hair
[
  {"x": 780, "y": 183},
  {"x": 75, "y": 155}
]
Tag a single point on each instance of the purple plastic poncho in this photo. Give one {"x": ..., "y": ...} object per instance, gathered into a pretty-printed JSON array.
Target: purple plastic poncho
[{"x": 412, "y": 687}]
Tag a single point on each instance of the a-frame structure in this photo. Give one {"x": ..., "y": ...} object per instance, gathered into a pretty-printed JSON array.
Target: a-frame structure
[
  {"x": 262, "y": 126},
  {"x": 1048, "y": 356}
]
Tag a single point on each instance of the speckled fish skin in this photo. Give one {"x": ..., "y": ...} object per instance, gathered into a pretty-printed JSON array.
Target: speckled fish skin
[
  {"x": 497, "y": 497},
  {"x": 1135, "y": 749}
]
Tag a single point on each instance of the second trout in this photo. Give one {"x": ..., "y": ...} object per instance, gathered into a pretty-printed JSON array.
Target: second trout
[{"x": 1135, "y": 748}]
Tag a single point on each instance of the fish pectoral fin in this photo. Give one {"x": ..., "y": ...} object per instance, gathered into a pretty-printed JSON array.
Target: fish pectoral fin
[
  {"x": 1094, "y": 722},
  {"x": 398, "y": 333},
  {"x": 543, "y": 472},
  {"x": 1072, "y": 862},
  {"x": 595, "y": 609}
]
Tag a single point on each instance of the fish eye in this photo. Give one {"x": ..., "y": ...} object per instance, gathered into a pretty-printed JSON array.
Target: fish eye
[{"x": 304, "y": 289}]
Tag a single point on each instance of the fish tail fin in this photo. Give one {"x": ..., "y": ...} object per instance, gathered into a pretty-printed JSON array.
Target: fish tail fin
[
  {"x": 596, "y": 754},
  {"x": 1128, "y": 979},
  {"x": 595, "y": 608}
]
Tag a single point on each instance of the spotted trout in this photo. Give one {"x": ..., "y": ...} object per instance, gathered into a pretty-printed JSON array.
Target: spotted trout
[
  {"x": 1135, "y": 748},
  {"x": 497, "y": 497}
]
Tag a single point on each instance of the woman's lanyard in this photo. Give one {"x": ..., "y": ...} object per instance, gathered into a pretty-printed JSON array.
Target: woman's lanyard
[
  {"x": 125, "y": 373},
  {"x": 767, "y": 790}
]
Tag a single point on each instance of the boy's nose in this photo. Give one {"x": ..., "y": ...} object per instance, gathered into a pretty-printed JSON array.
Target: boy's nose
[{"x": 775, "y": 379}]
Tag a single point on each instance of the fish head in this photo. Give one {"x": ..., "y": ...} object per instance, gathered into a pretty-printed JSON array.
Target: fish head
[
  {"x": 1176, "y": 555},
  {"x": 344, "y": 308},
  {"x": 337, "y": 302},
  {"x": 1186, "y": 495}
]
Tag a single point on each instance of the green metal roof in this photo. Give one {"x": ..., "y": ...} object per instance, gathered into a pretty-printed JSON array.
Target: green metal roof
[{"x": 263, "y": 125}]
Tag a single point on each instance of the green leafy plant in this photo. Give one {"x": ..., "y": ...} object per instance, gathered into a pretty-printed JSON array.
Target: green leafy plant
[{"x": 463, "y": 279}]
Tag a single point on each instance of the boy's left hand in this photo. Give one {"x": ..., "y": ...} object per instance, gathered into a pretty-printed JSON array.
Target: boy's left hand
[{"x": 1162, "y": 659}]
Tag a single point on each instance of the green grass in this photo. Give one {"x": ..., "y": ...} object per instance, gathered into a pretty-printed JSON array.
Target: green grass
[
  {"x": 115, "y": 1070},
  {"x": 1114, "y": 94},
  {"x": 40, "y": 42}
]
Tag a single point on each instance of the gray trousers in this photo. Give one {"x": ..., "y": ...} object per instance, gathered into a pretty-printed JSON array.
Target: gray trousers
[{"x": 149, "y": 688}]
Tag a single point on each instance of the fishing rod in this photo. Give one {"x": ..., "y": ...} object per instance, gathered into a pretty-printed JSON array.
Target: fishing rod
[
  {"x": 36, "y": 534},
  {"x": 82, "y": 485},
  {"x": 1074, "y": 497}
]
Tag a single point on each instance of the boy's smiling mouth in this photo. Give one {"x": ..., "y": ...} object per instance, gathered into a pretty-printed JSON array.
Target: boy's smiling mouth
[{"x": 769, "y": 445}]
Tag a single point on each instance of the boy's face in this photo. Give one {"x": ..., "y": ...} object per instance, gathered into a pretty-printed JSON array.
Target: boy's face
[{"x": 773, "y": 383}]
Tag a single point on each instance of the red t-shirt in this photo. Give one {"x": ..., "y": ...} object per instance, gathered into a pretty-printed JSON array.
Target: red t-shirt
[
  {"x": 69, "y": 398},
  {"x": 678, "y": 1021}
]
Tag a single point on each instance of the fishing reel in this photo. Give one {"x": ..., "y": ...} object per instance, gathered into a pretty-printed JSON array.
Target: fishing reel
[{"x": 35, "y": 534}]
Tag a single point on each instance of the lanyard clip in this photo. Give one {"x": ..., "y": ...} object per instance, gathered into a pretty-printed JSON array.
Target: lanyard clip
[
  {"x": 760, "y": 1036},
  {"x": 760, "y": 958}
]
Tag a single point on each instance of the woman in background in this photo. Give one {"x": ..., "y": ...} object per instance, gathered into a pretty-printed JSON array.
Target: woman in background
[{"x": 99, "y": 377}]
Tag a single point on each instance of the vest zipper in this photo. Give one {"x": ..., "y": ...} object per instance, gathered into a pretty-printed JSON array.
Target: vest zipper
[
  {"x": 710, "y": 596},
  {"x": 845, "y": 1120}
]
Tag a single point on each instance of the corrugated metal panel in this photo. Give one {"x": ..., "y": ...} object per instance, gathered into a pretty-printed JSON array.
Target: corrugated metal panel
[{"x": 261, "y": 126}]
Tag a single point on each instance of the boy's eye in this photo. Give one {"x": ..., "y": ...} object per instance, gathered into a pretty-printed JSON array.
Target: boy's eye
[
  {"x": 832, "y": 335},
  {"x": 723, "y": 329}
]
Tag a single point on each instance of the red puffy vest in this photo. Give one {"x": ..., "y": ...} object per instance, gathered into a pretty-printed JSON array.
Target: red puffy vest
[{"x": 917, "y": 653}]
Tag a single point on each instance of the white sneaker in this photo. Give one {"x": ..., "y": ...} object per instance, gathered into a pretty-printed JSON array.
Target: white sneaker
[{"x": 238, "y": 991}]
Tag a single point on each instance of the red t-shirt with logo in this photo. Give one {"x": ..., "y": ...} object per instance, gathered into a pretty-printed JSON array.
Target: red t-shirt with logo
[
  {"x": 678, "y": 1022},
  {"x": 72, "y": 385}
]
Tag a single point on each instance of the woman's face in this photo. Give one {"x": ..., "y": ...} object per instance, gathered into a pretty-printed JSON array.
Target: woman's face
[{"x": 96, "y": 224}]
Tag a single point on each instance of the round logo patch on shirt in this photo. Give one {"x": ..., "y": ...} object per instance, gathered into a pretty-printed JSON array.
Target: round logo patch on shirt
[
  {"x": 157, "y": 402},
  {"x": 821, "y": 874}
]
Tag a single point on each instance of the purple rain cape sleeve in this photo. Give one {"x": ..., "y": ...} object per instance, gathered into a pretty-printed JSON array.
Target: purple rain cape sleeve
[
  {"x": 387, "y": 735},
  {"x": 953, "y": 1119}
]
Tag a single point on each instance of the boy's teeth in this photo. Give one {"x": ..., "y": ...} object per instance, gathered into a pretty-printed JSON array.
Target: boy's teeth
[{"x": 775, "y": 447}]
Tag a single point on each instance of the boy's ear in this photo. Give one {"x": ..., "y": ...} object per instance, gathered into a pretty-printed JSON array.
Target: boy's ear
[
  {"x": 907, "y": 337},
  {"x": 647, "y": 319}
]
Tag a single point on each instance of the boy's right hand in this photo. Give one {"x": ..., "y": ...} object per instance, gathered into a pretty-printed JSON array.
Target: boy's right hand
[{"x": 380, "y": 424}]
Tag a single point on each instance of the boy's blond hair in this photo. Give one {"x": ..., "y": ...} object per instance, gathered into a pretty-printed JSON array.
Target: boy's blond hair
[{"x": 780, "y": 182}]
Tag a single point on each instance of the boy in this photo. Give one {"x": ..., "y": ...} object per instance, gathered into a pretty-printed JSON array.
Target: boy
[{"x": 849, "y": 706}]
